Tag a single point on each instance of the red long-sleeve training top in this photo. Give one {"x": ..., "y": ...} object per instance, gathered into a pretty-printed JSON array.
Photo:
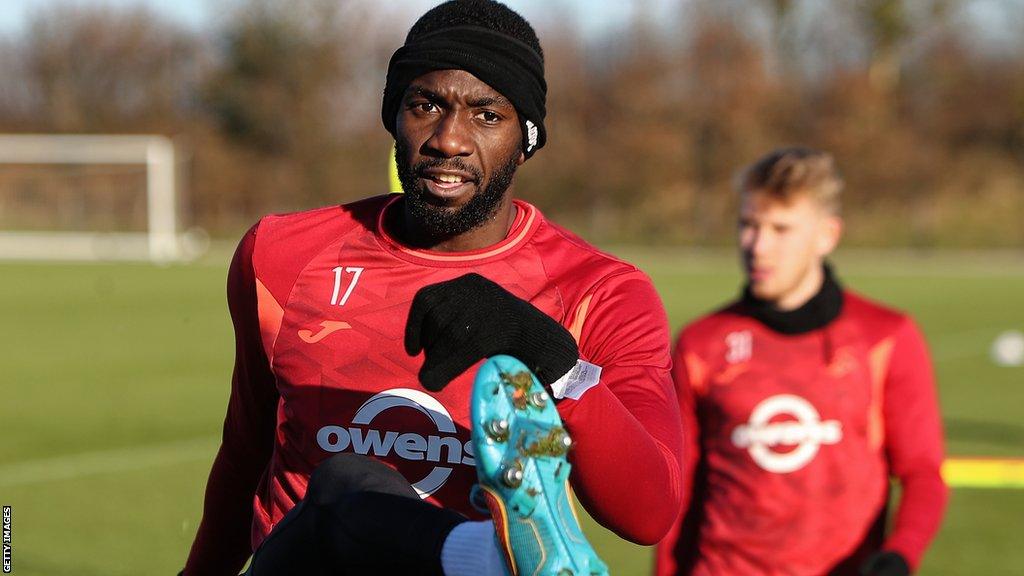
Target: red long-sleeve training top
[
  {"x": 319, "y": 301},
  {"x": 798, "y": 438}
]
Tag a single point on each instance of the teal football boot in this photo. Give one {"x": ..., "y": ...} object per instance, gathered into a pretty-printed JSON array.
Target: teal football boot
[{"x": 520, "y": 447}]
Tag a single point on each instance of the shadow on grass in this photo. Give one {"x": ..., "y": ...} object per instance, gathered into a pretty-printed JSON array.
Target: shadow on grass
[
  {"x": 999, "y": 434},
  {"x": 32, "y": 564}
]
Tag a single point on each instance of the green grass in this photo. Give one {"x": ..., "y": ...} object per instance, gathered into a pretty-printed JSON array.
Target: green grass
[{"x": 116, "y": 377}]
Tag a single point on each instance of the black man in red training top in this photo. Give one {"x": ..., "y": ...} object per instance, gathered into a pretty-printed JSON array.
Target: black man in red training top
[{"x": 359, "y": 328}]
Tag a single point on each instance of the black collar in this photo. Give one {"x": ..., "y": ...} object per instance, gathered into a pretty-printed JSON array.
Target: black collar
[{"x": 818, "y": 312}]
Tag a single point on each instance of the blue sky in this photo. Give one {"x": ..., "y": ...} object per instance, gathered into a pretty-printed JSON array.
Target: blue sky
[
  {"x": 594, "y": 15},
  {"x": 190, "y": 12},
  {"x": 997, "y": 20}
]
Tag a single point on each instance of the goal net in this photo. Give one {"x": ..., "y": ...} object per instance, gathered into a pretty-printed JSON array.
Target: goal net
[{"x": 79, "y": 197}]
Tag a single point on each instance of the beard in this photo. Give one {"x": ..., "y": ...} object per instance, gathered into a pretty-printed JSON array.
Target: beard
[{"x": 437, "y": 220}]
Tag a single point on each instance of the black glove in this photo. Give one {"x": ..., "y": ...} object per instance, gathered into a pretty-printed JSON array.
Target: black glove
[
  {"x": 462, "y": 321},
  {"x": 885, "y": 563}
]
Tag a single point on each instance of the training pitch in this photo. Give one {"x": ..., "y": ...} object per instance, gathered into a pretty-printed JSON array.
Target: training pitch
[{"x": 115, "y": 381}]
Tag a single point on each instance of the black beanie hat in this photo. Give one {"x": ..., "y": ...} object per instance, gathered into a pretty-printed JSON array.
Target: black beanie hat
[{"x": 486, "y": 39}]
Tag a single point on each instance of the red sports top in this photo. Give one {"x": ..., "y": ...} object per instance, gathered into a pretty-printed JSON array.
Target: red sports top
[
  {"x": 319, "y": 301},
  {"x": 799, "y": 435}
]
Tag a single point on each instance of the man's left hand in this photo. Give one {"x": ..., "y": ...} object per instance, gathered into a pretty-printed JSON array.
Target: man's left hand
[{"x": 459, "y": 322}]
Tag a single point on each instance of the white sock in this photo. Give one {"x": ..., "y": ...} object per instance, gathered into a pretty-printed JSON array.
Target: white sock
[{"x": 471, "y": 550}]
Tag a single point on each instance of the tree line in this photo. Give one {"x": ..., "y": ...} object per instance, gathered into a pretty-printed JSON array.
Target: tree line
[{"x": 277, "y": 107}]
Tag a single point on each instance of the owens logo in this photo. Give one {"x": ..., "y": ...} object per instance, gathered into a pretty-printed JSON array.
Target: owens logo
[
  {"x": 760, "y": 436},
  {"x": 409, "y": 446}
]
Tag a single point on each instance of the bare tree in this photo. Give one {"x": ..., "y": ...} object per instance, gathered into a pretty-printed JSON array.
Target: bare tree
[{"x": 95, "y": 68}]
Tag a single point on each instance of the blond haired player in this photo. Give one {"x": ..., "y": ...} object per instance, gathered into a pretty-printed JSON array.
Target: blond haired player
[{"x": 806, "y": 399}]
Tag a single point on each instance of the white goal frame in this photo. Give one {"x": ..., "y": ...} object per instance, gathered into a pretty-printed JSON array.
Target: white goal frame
[{"x": 161, "y": 243}]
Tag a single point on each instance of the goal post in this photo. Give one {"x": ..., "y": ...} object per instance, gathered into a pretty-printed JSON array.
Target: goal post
[{"x": 162, "y": 241}]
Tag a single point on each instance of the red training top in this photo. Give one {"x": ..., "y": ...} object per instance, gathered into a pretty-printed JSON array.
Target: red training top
[
  {"x": 799, "y": 435},
  {"x": 319, "y": 301}
]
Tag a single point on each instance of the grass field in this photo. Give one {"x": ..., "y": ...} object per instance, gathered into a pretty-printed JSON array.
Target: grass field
[{"x": 115, "y": 379}]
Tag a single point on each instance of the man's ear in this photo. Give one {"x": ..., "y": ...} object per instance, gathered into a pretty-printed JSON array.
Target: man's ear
[
  {"x": 829, "y": 234},
  {"x": 521, "y": 159}
]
